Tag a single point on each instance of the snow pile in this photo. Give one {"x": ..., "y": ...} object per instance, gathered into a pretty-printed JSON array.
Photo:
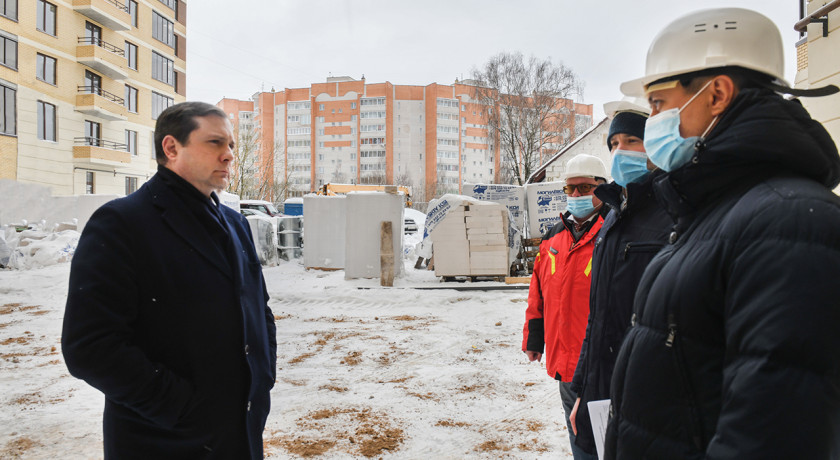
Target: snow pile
[
  {"x": 412, "y": 241},
  {"x": 36, "y": 248}
]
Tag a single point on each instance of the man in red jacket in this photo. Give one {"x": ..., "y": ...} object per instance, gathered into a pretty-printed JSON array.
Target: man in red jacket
[{"x": 558, "y": 299}]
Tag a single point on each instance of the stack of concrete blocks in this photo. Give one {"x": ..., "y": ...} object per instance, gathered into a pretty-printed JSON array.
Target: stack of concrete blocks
[
  {"x": 450, "y": 245},
  {"x": 472, "y": 241},
  {"x": 365, "y": 213},
  {"x": 546, "y": 205},
  {"x": 326, "y": 231},
  {"x": 512, "y": 196}
]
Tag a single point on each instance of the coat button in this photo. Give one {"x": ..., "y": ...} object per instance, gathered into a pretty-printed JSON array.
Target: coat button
[
  {"x": 246, "y": 349},
  {"x": 248, "y": 408},
  {"x": 673, "y": 238}
]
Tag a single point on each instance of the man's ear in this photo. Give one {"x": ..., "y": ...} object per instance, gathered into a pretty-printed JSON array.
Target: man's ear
[
  {"x": 170, "y": 146},
  {"x": 723, "y": 91}
]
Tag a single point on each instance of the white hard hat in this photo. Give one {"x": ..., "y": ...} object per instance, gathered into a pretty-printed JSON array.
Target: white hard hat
[
  {"x": 709, "y": 39},
  {"x": 627, "y": 104},
  {"x": 585, "y": 166}
]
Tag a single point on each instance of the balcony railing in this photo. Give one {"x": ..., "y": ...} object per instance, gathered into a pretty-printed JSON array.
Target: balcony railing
[
  {"x": 102, "y": 44},
  {"x": 97, "y": 142},
  {"x": 101, "y": 92},
  {"x": 120, "y": 5}
]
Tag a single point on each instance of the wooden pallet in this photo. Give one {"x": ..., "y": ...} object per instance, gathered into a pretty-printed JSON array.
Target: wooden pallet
[{"x": 472, "y": 278}]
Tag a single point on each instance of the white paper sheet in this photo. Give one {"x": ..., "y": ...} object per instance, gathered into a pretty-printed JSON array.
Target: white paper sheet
[{"x": 599, "y": 414}]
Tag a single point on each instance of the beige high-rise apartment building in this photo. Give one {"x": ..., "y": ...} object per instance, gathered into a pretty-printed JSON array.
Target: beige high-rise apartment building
[
  {"x": 818, "y": 61},
  {"x": 432, "y": 138},
  {"x": 81, "y": 84}
]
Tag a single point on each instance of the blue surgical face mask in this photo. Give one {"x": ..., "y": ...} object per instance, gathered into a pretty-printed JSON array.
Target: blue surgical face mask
[
  {"x": 628, "y": 167},
  {"x": 663, "y": 143},
  {"x": 580, "y": 206}
]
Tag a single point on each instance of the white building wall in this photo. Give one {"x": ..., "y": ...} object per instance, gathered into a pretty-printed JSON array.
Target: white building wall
[
  {"x": 409, "y": 141},
  {"x": 593, "y": 143}
]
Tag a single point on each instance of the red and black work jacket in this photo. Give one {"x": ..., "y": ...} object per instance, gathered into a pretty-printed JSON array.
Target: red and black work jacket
[{"x": 558, "y": 299}]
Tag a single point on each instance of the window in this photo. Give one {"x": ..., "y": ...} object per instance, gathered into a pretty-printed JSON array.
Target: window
[
  {"x": 8, "y": 51},
  {"x": 293, "y": 131},
  {"x": 373, "y": 101},
  {"x": 159, "y": 103},
  {"x": 298, "y": 105},
  {"x": 46, "y": 121},
  {"x": 353, "y": 105},
  {"x": 8, "y": 8},
  {"x": 93, "y": 133},
  {"x": 163, "y": 69},
  {"x": 373, "y": 114},
  {"x": 132, "y": 10},
  {"x": 46, "y": 17},
  {"x": 131, "y": 98},
  {"x": 453, "y": 103},
  {"x": 8, "y": 97},
  {"x": 131, "y": 55},
  {"x": 131, "y": 142},
  {"x": 89, "y": 189},
  {"x": 170, "y": 3},
  {"x": 130, "y": 185},
  {"x": 45, "y": 70},
  {"x": 93, "y": 34},
  {"x": 93, "y": 83},
  {"x": 162, "y": 29}
]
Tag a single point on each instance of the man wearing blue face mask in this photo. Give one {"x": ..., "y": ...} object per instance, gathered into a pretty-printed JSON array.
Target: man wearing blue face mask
[
  {"x": 733, "y": 346},
  {"x": 634, "y": 230},
  {"x": 558, "y": 299}
]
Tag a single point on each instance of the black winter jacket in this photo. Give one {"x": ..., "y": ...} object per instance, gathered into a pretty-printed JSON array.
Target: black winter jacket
[
  {"x": 628, "y": 240},
  {"x": 734, "y": 350}
]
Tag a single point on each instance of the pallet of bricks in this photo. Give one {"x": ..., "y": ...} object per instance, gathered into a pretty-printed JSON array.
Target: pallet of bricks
[{"x": 471, "y": 241}]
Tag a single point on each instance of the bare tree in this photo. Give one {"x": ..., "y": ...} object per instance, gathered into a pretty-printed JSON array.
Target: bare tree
[
  {"x": 373, "y": 178},
  {"x": 527, "y": 108},
  {"x": 252, "y": 176}
]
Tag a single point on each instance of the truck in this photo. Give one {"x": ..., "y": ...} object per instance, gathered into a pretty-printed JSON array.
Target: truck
[{"x": 330, "y": 189}]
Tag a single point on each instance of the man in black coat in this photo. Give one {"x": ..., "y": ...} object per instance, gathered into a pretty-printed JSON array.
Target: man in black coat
[
  {"x": 167, "y": 312},
  {"x": 635, "y": 229},
  {"x": 734, "y": 345}
]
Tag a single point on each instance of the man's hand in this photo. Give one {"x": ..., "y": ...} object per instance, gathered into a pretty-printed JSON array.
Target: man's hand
[
  {"x": 573, "y": 416},
  {"x": 533, "y": 355}
]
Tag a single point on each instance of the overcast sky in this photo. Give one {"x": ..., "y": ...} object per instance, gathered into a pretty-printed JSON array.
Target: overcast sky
[{"x": 235, "y": 49}]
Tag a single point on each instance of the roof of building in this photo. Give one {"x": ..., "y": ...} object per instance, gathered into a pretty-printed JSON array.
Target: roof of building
[{"x": 539, "y": 174}]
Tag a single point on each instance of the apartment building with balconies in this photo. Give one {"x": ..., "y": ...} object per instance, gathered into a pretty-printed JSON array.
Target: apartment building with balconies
[
  {"x": 432, "y": 138},
  {"x": 81, "y": 85},
  {"x": 818, "y": 60}
]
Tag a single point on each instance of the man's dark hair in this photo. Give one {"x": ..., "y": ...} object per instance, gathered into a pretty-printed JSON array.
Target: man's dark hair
[{"x": 179, "y": 121}]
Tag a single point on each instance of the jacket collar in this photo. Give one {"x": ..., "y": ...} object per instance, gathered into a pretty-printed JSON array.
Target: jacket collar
[{"x": 168, "y": 197}]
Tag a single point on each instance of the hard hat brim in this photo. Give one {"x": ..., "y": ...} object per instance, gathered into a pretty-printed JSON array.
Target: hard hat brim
[{"x": 639, "y": 86}]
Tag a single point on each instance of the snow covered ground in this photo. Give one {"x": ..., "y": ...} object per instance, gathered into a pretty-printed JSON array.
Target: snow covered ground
[{"x": 363, "y": 371}]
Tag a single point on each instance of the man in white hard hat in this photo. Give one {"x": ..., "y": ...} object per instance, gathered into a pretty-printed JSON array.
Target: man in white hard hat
[
  {"x": 635, "y": 229},
  {"x": 558, "y": 299},
  {"x": 734, "y": 344}
]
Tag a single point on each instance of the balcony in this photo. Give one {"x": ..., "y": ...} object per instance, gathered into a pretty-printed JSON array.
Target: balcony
[
  {"x": 95, "y": 151},
  {"x": 95, "y": 101},
  {"x": 112, "y": 14},
  {"x": 102, "y": 57}
]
